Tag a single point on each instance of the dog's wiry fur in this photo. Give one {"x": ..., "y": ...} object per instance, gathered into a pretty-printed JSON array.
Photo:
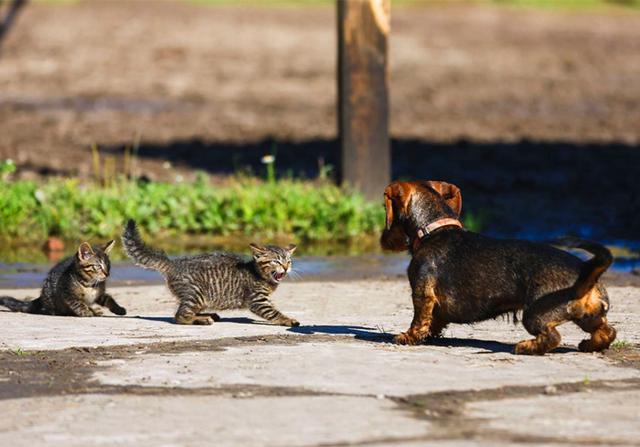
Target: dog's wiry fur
[{"x": 458, "y": 276}]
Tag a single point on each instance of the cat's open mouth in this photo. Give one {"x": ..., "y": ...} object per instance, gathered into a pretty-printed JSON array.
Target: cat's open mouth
[{"x": 278, "y": 276}]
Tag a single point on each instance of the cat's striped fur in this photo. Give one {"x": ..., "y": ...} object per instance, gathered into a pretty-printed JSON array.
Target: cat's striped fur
[
  {"x": 76, "y": 286},
  {"x": 217, "y": 281}
]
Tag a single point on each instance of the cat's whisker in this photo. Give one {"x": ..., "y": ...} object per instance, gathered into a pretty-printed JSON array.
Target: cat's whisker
[{"x": 295, "y": 275}]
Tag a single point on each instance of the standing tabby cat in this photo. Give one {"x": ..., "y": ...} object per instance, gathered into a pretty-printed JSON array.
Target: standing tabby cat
[
  {"x": 75, "y": 286},
  {"x": 217, "y": 281}
]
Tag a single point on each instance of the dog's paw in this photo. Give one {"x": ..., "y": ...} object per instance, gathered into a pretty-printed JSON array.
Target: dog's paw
[
  {"x": 404, "y": 339},
  {"x": 527, "y": 347}
]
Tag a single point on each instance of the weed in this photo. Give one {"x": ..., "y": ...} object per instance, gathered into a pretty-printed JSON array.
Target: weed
[
  {"x": 620, "y": 344},
  {"x": 19, "y": 352},
  {"x": 7, "y": 167},
  {"x": 381, "y": 329}
]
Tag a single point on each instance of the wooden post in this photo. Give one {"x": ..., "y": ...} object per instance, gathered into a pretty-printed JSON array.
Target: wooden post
[{"x": 363, "y": 99}]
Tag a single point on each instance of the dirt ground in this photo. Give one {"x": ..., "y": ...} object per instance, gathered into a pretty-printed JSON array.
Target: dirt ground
[
  {"x": 103, "y": 72},
  {"x": 335, "y": 380},
  {"x": 518, "y": 107}
]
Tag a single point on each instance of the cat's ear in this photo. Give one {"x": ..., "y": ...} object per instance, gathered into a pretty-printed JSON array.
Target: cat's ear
[
  {"x": 108, "y": 246},
  {"x": 85, "y": 251},
  {"x": 257, "y": 250},
  {"x": 291, "y": 248}
]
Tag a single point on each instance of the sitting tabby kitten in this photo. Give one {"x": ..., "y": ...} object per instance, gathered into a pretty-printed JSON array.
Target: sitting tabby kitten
[
  {"x": 217, "y": 281},
  {"x": 75, "y": 286}
]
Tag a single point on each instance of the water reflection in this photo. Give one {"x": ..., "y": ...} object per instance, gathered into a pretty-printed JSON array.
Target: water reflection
[{"x": 307, "y": 268}]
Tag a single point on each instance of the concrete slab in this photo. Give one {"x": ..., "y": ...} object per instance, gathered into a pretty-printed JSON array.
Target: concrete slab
[
  {"x": 341, "y": 308},
  {"x": 358, "y": 368},
  {"x": 611, "y": 417},
  {"x": 203, "y": 421},
  {"x": 331, "y": 381},
  {"x": 150, "y": 311}
]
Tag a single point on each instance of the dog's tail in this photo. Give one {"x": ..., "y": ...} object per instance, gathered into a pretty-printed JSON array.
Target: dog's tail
[
  {"x": 141, "y": 254},
  {"x": 593, "y": 268},
  {"x": 14, "y": 305}
]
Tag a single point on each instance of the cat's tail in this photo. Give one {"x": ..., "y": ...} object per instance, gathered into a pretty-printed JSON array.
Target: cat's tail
[
  {"x": 14, "y": 305},
  {"x": 141, "y": 254}
]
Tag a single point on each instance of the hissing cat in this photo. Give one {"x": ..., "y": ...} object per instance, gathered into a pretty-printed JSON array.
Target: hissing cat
[
  {"x": 75, "y": 286},
  {"x": 217, "y": 281}
]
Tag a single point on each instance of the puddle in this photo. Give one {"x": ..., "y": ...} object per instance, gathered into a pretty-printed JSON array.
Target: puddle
[
  {"x": 306, "y": 268},
  {"x": 27, "y": 266}
]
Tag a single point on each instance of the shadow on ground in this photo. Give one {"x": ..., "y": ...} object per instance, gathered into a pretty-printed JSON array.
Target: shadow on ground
[
  {"x": 373, "y": 335},
  {"x": 171, "y": 320},
  {"x": 358, "y": 332}
]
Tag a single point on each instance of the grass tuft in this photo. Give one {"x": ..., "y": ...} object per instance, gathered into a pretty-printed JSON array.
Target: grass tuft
[
  {"x": 620, "y": 344},
  {"x": 19, "y": 352}
]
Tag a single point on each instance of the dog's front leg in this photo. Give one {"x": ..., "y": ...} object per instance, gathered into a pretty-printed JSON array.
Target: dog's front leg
[{"x": 421, "y": 324}]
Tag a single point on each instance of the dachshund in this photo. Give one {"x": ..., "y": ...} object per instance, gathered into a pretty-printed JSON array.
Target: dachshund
[{"x": 458, "y": 276}]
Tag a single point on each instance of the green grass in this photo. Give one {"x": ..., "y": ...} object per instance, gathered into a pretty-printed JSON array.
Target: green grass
[
  {"x": 245, "y": 207},
  {"x": 19, "y": 352},
  {"x": 620, "y": 344},
  {"x": 71, "y": 209},
  {"x": 242, "y": 208}
]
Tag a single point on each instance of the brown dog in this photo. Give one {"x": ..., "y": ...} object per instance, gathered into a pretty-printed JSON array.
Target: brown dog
[{"x": 458, "y": 276}]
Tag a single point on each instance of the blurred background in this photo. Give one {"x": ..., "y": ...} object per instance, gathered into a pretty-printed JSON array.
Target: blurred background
[{"x": 165, "y": 110}]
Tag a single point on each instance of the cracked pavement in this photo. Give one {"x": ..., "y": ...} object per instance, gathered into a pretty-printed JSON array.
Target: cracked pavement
[{"x": 336, "y": 380}]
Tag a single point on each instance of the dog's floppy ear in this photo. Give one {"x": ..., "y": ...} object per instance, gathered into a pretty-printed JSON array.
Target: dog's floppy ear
[
  {"x": 450, "y": 193},
  {"x": 400, "y": 193}
]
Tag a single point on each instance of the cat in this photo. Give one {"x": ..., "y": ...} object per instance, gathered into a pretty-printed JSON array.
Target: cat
[
  {"x": 74, "y": 287},
  {"x": 217, "y": 281}
]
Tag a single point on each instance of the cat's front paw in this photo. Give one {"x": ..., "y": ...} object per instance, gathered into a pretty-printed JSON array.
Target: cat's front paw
[
  {"x": 290, "y": 322},
  {"x": 96, "y": 310}
]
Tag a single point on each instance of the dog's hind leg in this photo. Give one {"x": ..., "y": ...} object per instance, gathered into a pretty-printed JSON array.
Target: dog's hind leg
[
  {"x": 602, "y": 335},
  {"x": 540, "y": 319},
  {"x": 546, "y": 340},
  {"x": 589, "y": 313}
]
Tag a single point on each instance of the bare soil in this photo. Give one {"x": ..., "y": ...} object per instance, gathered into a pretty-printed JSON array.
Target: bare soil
[
  {"x": 534, "y": 113},
  {"x": 103, "y": 72}
]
